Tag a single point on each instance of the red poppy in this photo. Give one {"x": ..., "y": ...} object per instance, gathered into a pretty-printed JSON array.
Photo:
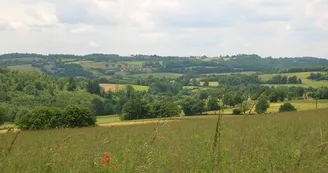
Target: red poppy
[
  {"x": 112, "y": 167},
  {"x": 273, "y": 156},
  {"x": 106, "y": 159}
]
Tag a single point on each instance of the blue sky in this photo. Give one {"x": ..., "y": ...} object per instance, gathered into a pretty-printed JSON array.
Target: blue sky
[{"x": 165, "y": 27}]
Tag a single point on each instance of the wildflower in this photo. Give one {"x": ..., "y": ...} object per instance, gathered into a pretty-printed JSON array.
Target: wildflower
[
  {"x": 112, "y": 167},
  {"x": 106, "y": 159},
  {"x": 273, "y": 156}
]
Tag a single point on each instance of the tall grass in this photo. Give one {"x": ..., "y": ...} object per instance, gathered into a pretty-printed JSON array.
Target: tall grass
[{"x": 288, "y": 142}]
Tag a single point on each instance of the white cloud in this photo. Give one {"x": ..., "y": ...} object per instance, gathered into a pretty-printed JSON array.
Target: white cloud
[
  {"x": 93, "y": 44},
  {"x": 168, "y": 27}
]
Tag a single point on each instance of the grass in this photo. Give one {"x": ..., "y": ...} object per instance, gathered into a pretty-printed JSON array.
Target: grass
[
  {"x": 211, "y": 84},
  {"x": 289, "y": 142},
  {"x": 300, "y": 105},
  {"x": 27, "y": 67},
  {"x": 117, "y": 87},
  {"x": 111, "y": 65},
  {"x": 302, "y": 75},
  {"x": 159, "y": 75},
  {"x": 108, "y": 119}
]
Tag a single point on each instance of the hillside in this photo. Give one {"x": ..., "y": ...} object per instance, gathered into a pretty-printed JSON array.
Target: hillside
[{"x": 121, "y": 69}]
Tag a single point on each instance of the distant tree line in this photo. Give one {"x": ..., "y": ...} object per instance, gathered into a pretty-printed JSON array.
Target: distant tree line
[
  {"x": 318, "y": 76},
  {"x": 280, "y": 79}
]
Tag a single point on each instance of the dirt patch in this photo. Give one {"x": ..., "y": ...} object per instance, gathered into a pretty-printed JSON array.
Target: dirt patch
[
  {"x": 111, "y": 87},
  {"x": 136, "y": 123},
  {"x": 6, "y": 131}
]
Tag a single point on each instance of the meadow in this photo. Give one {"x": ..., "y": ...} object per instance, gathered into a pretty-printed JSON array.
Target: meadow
[
  {"x": 287, "y": 142},
  {"x": 301, "y": 75},
  {"x": 158, "y": 75},
  {"x": 27, "y": 67}
]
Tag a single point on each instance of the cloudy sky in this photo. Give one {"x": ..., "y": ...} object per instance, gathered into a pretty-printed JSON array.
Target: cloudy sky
[{"x": 165, "y": 27}]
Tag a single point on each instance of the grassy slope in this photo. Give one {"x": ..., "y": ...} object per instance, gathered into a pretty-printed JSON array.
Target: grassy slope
[
  {"x": 167, "y": 75},
  {"x": 290, "y": 142},
  {"x": 303, "y": 76},
  {"x": 24, "y": 68}
]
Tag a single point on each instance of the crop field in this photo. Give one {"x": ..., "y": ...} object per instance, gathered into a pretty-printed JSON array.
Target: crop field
[
  {"x": 303, "y": 76},
  {"x": 27, "y": 67},
  {"x": 288, "y": 142},
  {"x": 117, "y": 87}
]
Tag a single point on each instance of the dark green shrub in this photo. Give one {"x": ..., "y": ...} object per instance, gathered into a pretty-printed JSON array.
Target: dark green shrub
[
  {"x": 236, "y": 111},
  {"x": 287, "y": 107},
  {"x": 40, "y": 118},
  {"x": 76, "y": 116},
  {"x": 164, "y": 109}
]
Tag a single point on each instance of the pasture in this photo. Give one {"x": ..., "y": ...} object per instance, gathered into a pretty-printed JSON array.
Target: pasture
[
  {"x": 302, "y": 75},
  {"x": 117, "y": 87},
  {"x": 27, "y": 67},
  {"x": 158, "y": 75},
  {"x": 288, "y": 142},
  {"x": 110, "y": 65}
]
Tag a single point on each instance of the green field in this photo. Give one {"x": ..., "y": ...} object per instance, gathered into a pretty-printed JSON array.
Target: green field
[
  {"x": 303, "y": 76},
  {"x": 21, "y": 59},
  {"x": 159, "y": 75},
  {"x": 24, "y": 68},
  {"x": 300, "y": 105},
  {"x": 211, "y": 84},
  {"x": 289, "y": 142},
  {"x": 111, "y": 65}
]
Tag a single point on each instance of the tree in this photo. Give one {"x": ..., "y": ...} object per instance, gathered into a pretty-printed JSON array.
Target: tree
[
  {"x": 78, "y": 116},
  {"x": 164, "y": 109},
  {"x": 19, "y": 87},
  {"x": 192, "y": 106},
  {"x": 109, "y": 109},
  {"x": 71, "y": 84},
  {"x": 213, "y": 104},
  {"x": 206, "y": 83},
  {"x": 98, "y": 106},
  {"x": 262, "y": 105},
  {"x": 93, "y": 87},
  {"x": 287, "y": 107},
  {"x": 134, "y": 109},
  {"x": 244, "y": 107},
  {"x": 129, "y": 91},
  {"x": 2, "y": 115},
  {"x": 203, "y": 94},
  {"x": 195, "y": 82},
  {"x": 40, "y": 118}
]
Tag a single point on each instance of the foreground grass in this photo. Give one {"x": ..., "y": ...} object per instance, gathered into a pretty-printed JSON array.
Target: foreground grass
[{"x": 292, "y": 142}]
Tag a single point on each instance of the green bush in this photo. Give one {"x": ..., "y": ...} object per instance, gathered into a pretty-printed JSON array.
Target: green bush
[
  {"x": 43, "y": 118},
  {"x": 287, "y": 107},
  {"x": 164, "y": 109},
  {"x": 236, "y": 111},
  {"x": 135, "y": 109},
  {"x": 77, "y": 116},
  {"x": 40, "y": 118}
]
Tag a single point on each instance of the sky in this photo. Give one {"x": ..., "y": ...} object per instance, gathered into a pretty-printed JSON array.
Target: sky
[{"x": 277, "y": 28}]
